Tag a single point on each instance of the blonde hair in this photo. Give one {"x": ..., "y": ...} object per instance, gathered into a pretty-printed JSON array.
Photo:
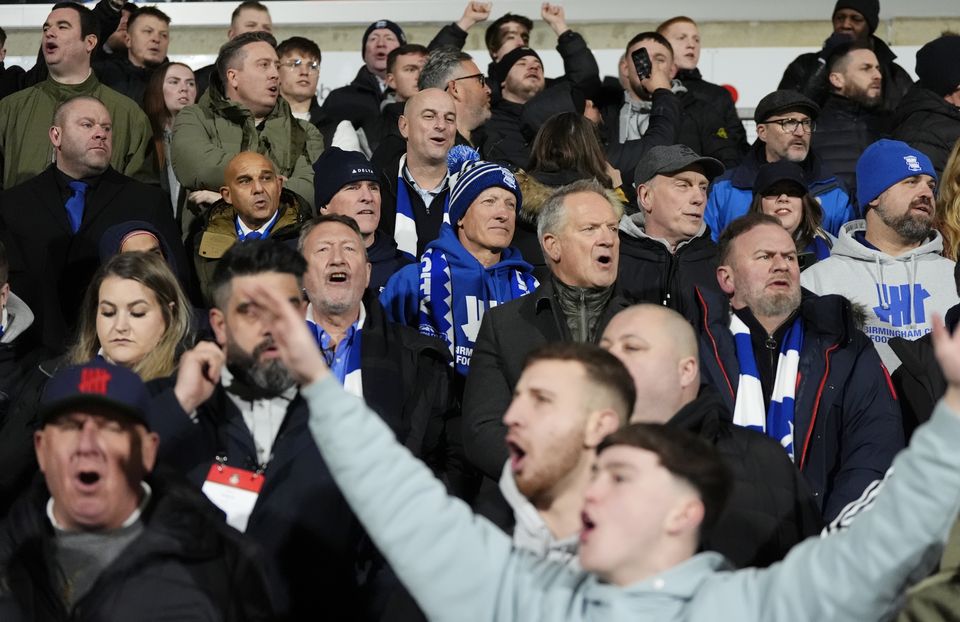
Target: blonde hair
[
  {"x": 948, "y": 205},
  {"x": 151, "y": 271}
]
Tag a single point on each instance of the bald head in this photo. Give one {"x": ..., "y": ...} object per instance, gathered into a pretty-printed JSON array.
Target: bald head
[
  {"x": 659, "y": 348},
  {"x": 251, "y": 185},
  {"x": 82, "y": 137},
  {"x": 429, "y": 123}
]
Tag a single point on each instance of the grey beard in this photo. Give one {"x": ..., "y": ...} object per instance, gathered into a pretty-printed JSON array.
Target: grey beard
[
  {"x": 271, "y": 377},
  {"x": 777, "y": 305}
]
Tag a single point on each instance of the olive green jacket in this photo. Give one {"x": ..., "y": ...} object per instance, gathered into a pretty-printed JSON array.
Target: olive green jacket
[
  {"x": 26, "y": 117},
  {"x": 209, "y": 133},
  {"x": 219, "y": 234}
]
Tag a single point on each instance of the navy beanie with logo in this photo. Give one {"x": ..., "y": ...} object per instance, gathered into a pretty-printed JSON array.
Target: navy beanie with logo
[
  {"x": 335, "y": 168},
  {"x": 885, "y": 163},
  {"x": 473, "y": 176}
]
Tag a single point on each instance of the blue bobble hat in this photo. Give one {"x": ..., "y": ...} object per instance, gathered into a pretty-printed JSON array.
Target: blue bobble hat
[
  {"x": 885, "y": 163},
  {"x": 473, "y": 176}
]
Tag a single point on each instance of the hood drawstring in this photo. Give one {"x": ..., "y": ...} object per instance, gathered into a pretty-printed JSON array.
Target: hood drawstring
[
  {"x": 882, "y": 292},
  {"x": 913, "y": 286}
]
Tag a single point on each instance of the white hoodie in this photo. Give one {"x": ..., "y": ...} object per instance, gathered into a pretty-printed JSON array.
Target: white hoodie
[{"x": 899, "y": 293}]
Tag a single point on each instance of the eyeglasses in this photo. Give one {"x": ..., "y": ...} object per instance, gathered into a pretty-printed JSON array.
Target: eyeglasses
[
  {"x": 790, "y": 125},
  {"x": 478, "y": 76},
  {"x": 297, "y": 62}
]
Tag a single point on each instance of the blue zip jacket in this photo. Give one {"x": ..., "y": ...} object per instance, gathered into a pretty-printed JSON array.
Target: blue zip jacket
[{"x": 732, "y": 193}]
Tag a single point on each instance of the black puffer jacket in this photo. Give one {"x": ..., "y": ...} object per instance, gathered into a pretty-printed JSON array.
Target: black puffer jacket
[
  {"x": 649, "y": 272},
  {"x": 844, "y": 130},
  {"x": 357, "y": 102},
  {"x": 929, "y": 123},
  {"x": 919, "y": 380},
  {"x": 121, "y": 75},
  {"x": 770, "y": 508},
  {"x": 675, "y": 118},
  {"x": 719, "y": 100},
  {"x": 808, "y": 75},
  {"x": 186, "y": 565}
]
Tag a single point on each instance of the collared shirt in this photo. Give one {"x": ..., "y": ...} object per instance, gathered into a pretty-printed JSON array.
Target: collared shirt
[
  {"x": 263, "y": 416},
  {"x": 134, "y": 516},
  {"x": 264, "y": 230},
  {"x": 66, "y": 192},
  {"x": 427, "y": 196},
  {"x": 344, "y": 360}
]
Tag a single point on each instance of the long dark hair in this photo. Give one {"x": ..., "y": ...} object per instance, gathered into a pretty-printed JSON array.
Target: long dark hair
[
  {"x": 156, "y": 109},
  {"x": 568, "y": 142}
]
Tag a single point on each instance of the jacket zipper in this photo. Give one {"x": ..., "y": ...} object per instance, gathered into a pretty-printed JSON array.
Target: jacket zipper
[
  {"x": 716, "y": 352},
  {"x": 816, "y": 405}
]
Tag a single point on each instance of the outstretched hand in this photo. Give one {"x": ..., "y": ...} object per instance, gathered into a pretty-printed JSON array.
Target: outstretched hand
[
  {"x": 298, "y": 349},
  {"x": 946, "y": 347}
]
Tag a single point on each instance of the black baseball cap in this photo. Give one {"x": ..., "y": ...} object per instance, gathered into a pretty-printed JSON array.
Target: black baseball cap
[
  {"x": 96, "y": 384},
  {"x": 776, "y": 172},
  {"x": 665, "y": 159}
]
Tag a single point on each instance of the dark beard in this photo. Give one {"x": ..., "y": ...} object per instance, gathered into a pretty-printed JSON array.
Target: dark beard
[
  {"x": 913, "y": 229},
  {"x": 267, "y": 379}
]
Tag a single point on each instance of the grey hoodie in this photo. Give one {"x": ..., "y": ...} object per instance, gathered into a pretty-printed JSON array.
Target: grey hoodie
[
  {"x": 531, "y": 532},
  {"x": 883, "y": 285},
  {"x": 462, "y": 568},
  {"x": 18, "y": 318}
]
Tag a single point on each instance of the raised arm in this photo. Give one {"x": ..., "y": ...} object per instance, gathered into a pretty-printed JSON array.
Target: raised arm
[
  {"x": 855, "y": 575},
  {"x": 451, "y": 561}
]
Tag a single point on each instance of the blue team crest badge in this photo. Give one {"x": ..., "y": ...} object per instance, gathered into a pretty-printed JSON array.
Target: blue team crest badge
[
  {"x": 509, "y": 180},
  {"x": 913, "y": 164}
]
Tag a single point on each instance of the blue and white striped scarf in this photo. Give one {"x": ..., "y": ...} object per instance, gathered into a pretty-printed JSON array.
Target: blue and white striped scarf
[
  {"x": 405, "y": 228},
  {"x": 452, "y": 309},
  {"x": 748, "y": 411}
]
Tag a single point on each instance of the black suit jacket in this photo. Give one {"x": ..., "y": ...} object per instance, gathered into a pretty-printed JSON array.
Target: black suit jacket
[{"x": 50, "y": 267}]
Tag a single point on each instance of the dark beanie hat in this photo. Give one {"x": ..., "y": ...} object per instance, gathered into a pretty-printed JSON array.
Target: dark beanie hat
[
  {"x": 507, "y": 61},
  {"x": 335, "y": 168},
  {"x": 870, "y": 9},
  {"x": 383, "y": 23},
  {"x": 938, "y": 65},
  {"x": 774, "y": 173}
]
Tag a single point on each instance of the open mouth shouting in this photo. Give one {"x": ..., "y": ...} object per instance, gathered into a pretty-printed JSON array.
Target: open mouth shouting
[
  {"x": 518, "y": 455},
  {"x": 87, "y": 479},
  {"x": 338, "y": 277},
  {"x": 587, "y": 526}
]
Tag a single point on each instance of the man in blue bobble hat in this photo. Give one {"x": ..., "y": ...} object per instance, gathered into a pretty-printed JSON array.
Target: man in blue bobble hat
[
  {"x": 890, "y": 263},
  {"x": 471, "y": 267}
]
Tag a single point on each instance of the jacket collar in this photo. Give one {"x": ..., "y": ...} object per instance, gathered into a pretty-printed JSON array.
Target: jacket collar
[{"x": 744, "y": 175}]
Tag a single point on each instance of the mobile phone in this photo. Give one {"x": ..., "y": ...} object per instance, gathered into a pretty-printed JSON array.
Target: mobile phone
[{"x": 641, "y": 62}]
